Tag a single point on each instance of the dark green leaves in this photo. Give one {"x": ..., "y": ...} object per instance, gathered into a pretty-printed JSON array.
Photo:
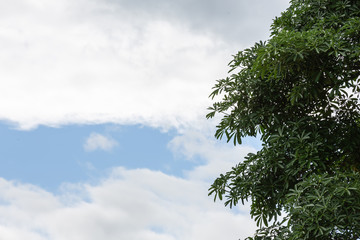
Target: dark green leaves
[
  {"x": 300, "y": 92},
  {"x": 327, "y": 206}
]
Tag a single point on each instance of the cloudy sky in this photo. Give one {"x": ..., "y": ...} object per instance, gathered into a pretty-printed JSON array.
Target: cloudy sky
[{"x": 102, "y": 117}]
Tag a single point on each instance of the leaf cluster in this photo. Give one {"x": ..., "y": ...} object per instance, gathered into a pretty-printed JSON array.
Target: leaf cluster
[{"x": 300, "y": 91}]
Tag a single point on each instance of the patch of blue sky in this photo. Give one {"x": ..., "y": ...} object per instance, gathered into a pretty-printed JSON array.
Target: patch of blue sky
[
  {"x": 48, "y": 157},
  {"x": 254, "y": 142}
]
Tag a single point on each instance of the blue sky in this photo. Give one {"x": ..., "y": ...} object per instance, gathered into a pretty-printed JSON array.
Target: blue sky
[
  {"x": 102, "y": 117},
  {"x": 57, "y": 155}
]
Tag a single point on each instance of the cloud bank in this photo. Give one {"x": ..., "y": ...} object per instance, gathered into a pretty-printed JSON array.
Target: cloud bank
[
  {"x": 80, "y": 62},
  {"x": 130, "y": 204},
  {"x": 126, "y": 62}
]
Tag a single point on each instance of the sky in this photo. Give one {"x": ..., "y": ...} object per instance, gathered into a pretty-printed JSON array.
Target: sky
[{"x": 103, "y": 132}]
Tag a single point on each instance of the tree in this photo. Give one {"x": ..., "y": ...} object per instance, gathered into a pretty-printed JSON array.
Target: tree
[{"x": 300, "y": 92}]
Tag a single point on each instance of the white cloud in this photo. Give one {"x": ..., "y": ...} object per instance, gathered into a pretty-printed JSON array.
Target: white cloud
[
  {"x": 99, "y": 61},
  {"x": 129, "y": 204},
  {"x": 85, "y": 62},
  {"x": 218, "y": 157},
  {"x": 97, "y": 141}
]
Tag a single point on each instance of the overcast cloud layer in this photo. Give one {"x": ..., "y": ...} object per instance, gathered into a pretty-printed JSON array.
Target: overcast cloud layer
[{"x": 96, "y": 61}]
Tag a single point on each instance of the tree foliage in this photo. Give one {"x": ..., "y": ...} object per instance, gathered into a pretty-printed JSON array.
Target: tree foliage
[{"x": 300, "y": 91}]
